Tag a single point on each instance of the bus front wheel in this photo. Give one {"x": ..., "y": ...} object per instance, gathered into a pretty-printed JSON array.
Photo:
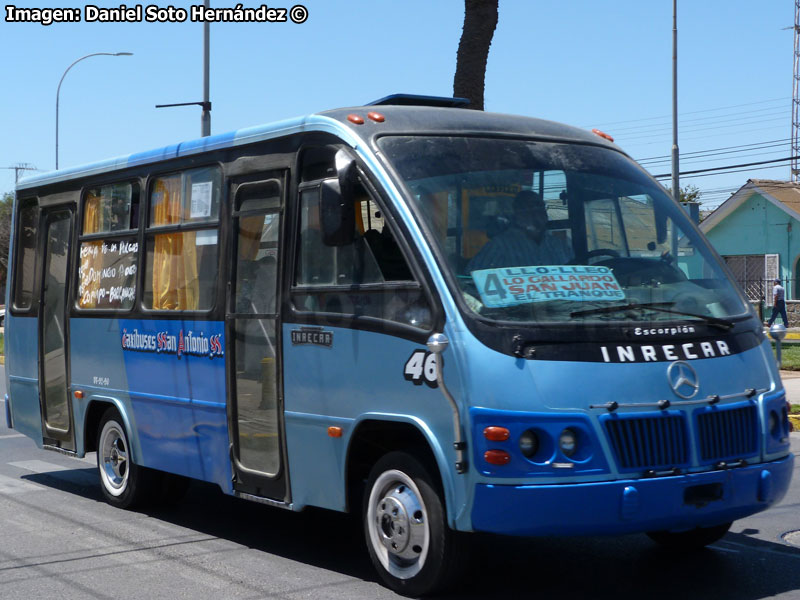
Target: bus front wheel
[
  {"x": 693, "y": 539},
  {"x": 124, "y": 483},
  {"x": 407, "y": 536}
]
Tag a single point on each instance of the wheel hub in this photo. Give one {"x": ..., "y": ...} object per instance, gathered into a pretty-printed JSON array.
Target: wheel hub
[{"x": 400, "y": 522}]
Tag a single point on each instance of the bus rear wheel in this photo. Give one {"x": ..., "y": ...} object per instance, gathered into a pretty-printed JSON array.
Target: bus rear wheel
[
  {"x": 693, "y": 539},
  {"x": 124, "y": 484},
  {"x": 407, "y": 536}
]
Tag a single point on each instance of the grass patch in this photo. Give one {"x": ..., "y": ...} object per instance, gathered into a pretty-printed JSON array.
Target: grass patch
[
  {"x": 790, "y": 357},
  {"x": 795, "y": 409}
]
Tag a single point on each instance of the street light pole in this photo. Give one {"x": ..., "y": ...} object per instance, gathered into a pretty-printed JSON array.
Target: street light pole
[
  {"x": 205, "y": 117},
  {"x": 58, "y": 91},
  {"x": 676, "y": 190}
]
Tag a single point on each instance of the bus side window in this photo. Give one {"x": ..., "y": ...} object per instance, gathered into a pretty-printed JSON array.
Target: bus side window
[
  {"x": 109, "y": 248},
  {"x": 382, "y": 243},
  {"x": 366, "y": 266},
  {"x": 181, "y": 240},
  {"x": 25, "y": 241}
]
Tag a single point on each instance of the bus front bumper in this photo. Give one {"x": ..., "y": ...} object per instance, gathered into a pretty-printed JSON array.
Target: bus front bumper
[{"x": 635, "y": 505}]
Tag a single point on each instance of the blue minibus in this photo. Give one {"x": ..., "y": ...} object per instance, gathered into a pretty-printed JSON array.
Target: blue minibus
[{"x": 443, "y": 320}]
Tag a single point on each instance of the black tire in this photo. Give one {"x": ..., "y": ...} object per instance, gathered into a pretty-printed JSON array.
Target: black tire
[
  {"x": 693, "y": 539},
  {"x": 405, "y": 526},
  {"x": 124, "y": 483}
]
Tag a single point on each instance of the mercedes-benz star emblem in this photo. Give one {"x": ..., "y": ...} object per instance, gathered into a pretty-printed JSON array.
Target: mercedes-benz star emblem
[{"x": 683, "y": 379}]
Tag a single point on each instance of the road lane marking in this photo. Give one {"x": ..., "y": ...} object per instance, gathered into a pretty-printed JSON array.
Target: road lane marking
[
  {"x": 12, "y": 485},
  {"x": 38, "y": 466},
  {"x": 721, "y": 549},
  {"x": 782, "y": 550},
  {"x": 11, "y": 435},
  {"x": 75, "y": 475}
]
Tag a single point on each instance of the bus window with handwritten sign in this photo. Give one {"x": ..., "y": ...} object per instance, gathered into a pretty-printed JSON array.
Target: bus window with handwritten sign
[
  {"x": 512, "y": 286},
  {"x": 107, "y": 273}
]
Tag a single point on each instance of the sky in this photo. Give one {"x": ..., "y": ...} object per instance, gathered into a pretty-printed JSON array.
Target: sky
[{"x": 593, "y": 64}]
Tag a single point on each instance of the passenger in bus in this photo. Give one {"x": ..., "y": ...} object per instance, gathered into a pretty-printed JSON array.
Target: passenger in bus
[
  {"x": 526, "y": 242},
  {"x": 388, "y": 255}
]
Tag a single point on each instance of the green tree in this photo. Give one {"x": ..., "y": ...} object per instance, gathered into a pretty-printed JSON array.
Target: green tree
[
  {"x": 480, "y": 21},
  {"x": 6, "y": 210},
  {"x": 689, "y": 193}
]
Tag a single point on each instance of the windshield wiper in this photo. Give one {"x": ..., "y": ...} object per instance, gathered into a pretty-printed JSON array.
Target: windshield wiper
[{"x": 654, "y": 306}]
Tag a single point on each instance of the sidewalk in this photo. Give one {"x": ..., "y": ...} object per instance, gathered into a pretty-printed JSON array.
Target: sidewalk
[
  {"x": 792, "y": 334},
  {"x": 791, "y": 383}
]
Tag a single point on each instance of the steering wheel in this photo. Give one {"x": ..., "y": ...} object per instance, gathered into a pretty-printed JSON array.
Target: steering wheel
[{"x": 601, "y": 252}]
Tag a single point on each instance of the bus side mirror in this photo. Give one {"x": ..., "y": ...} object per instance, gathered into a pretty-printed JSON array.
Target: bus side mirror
[{"x": 337, "y": 208}]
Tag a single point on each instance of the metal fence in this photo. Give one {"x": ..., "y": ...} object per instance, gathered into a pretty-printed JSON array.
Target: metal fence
[
  {"x": 759, "y": 292},
  {"x": 755, "y": 273}
]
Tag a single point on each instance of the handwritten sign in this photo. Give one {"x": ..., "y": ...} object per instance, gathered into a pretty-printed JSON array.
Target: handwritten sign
[
  {"x": 511, "y": 286},
  {"x": 107, "y": 273}
]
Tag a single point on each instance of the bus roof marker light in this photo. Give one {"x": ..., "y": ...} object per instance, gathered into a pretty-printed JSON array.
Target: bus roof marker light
[
  {"x": 357, "y": 119},
  {"x": 603, "y": 135},
  {"x": 375, "y": 116}
]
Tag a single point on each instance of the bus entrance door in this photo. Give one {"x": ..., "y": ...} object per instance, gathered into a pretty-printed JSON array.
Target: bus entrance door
[
  {"x": 53, "y": 359},
  {"x": 256, "y": 408}
]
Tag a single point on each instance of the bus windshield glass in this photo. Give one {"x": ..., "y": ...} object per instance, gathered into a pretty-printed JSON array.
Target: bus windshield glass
[{"x": 553, "y": 232}]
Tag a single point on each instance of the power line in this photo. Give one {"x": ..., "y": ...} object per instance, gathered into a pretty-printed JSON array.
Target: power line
[
  {"x": 711, "y": 128},
  {"x": 715, "y": 149},
  {"x": 707, "y": 120},
  {"x": 720, "y": 169},
  {"x": 700, "y": 160},
  {"x": 737, "y": 132},
  {"x": 695, "y": 112},
  {"x": 710, "y": 151}
]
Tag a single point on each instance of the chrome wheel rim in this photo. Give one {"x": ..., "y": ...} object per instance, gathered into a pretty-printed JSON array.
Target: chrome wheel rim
[
  {"x": 397, "y": 523},
  {"x": 113, "y": 458}
]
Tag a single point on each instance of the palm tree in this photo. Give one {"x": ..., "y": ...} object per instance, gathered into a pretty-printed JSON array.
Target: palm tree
[{"x": 480, "y": 21}]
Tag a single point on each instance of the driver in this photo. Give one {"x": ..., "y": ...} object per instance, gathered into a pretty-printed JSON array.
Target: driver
[{"x": 526, "y": 242}]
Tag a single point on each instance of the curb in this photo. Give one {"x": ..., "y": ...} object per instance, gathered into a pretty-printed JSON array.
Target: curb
[{"x": 794, "y": 421}]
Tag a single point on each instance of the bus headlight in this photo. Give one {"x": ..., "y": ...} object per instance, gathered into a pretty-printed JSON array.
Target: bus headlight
[
  {"x": 568, "y": 442},
  {"x": 528, "y": 444}
]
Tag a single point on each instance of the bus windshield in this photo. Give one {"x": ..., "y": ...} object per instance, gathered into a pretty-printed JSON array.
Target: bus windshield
[{"x": 545, "y": 232}]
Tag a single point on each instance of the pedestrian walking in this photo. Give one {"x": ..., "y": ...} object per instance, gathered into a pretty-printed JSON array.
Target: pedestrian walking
[{"x": 778, "y": 304}]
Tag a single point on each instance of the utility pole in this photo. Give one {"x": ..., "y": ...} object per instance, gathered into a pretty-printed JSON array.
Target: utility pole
[
  {"x": 19, "y": 167},
  {"x": 676, "y": 188},
  {"x": 796, "y": 96},
  {"x": 205, "y": 115}
]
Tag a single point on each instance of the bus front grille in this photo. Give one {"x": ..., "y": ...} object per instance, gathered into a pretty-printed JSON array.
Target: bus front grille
[
  {"x": 648, "y": 442},
  {"x": 727, "y": 433}
]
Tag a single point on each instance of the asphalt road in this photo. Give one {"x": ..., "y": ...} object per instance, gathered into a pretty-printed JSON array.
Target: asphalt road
[{"x": 59, "y": 540}]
